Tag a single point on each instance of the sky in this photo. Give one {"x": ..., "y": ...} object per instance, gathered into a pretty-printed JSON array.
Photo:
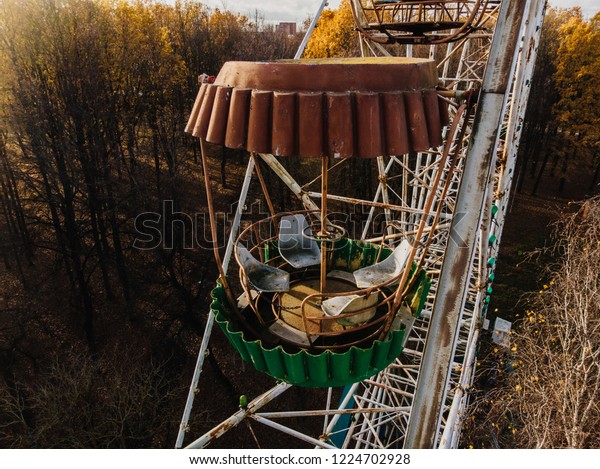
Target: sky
[{"x": 299, "y": 10}]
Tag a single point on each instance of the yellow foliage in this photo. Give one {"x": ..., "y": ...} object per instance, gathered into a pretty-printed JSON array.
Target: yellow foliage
[
  {"x": 334, "y": 35},
  {"x": 578, "y": 77}
]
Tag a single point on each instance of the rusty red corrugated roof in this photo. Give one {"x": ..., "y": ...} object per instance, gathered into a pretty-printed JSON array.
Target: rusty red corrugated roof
[{"x": 363, "y": 107}]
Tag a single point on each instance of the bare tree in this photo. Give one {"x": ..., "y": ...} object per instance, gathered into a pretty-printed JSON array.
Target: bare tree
[
  {"x": 80, "y": 402},
  {"x": 548, "y": 397}
]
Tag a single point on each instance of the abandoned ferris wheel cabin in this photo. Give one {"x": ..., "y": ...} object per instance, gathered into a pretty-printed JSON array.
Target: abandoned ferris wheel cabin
[{"x": 384, "y": 313}]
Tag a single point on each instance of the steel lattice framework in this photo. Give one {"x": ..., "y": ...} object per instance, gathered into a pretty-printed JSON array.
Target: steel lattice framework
[{"x": 420, "y": 400}]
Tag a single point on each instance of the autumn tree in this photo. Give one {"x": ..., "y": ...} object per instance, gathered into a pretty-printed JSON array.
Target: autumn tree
[
  {"x": 334, "y": 35},
  {"x": 15, "y": 240},
  {"x": 578, "y": 77},
  {"x": 542, "y": 95},
  {"x": 83, "y": 403},
  {"x": 562, "y": 118},
  {"x": 94, "y": 97}
]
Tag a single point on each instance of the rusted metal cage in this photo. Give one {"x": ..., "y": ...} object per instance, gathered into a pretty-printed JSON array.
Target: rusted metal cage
[
  {"x": 298, "y": 315},
  {"x": 420, "y": 21},
  {"x": 309, "y": 286}
]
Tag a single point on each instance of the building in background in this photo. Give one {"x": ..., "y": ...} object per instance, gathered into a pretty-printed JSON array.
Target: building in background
[{"x": 287, "y": 28}]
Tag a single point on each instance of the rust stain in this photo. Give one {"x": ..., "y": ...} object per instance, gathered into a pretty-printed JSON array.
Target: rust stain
[
  {"x": 189, "y": 128},
  {"x": 349, "y": 74},
  {"x": 201, "y": 125},
  {"x": 417, "y": 122},
  {"x": 432, "y": 114},
  {"x": 284, "y": 123},
  {"x": 218, "y": 119},
  {"x": 511, "y": 32},
  {"x": 222, "y": 429},
  {"x": 444, "y": 112},
  {"x": 259, "y": 122},
  {"x": 237, "y": 123},
  {"x": 395, "y": 122},
  {"x": 458, "y": 270},
  {"x": 353, "y": 108},
  {"x": 310, "y": 124},
  {"x": 368, "y": 117},
  {"x": 340, "y": 129}
]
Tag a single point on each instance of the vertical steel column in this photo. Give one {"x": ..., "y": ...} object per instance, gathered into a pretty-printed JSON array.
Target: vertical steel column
[
  {"x": 384, "y": 191},
  {"x": 382, "y": 174},
  {"x": 183, "y": 426},
  {"x": 524, "y": 70},
  {"x": 311, "y": 28},
  {"x": 453, "y": 284}
]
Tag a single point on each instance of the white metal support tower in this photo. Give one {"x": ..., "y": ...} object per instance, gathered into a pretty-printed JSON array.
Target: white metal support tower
[{"x": 420, "y": 399}]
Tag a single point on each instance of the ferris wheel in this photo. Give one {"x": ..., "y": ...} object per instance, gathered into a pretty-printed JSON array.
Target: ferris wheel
[{"x": 379, "y": 301}]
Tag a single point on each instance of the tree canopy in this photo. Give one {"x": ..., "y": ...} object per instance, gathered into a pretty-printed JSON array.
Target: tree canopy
[
  {"x": 334, "y": 35},
  {"x": 94, "y": 97},
  {"x": 578, "y": 77},
  {"x": 562, "y": 124}
]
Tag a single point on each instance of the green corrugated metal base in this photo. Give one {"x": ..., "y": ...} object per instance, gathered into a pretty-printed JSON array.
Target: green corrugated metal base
[
  {"x": 320, "y": 369},
  {"x": 325, "y": 369}
]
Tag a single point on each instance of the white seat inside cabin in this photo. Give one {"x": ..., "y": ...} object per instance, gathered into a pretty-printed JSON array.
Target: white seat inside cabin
[
  {"x": 386, "y": 270},
  {"x": 367, "y": 277},
  {"x": 296, "y": 245},
  {"x": 282, "y": 329},
  {"x": 262, "y": 277},
  {"x": 350, "y": 303}
]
